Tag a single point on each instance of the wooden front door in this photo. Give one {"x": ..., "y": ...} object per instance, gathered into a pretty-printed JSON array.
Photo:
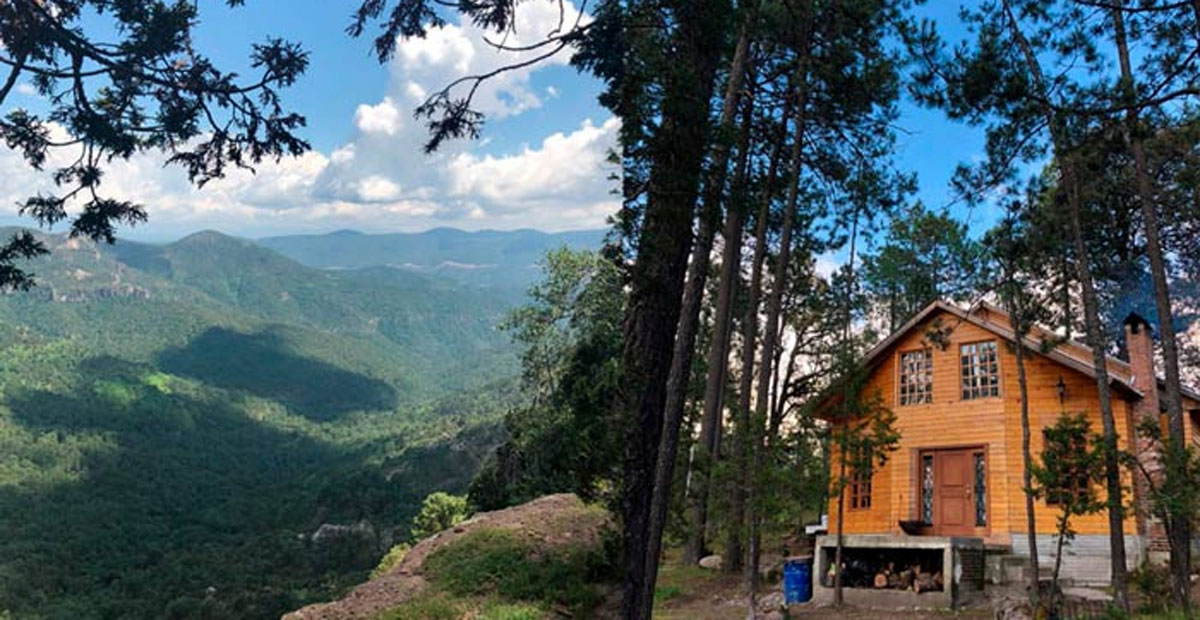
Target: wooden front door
[{"x": 954, "y": 493}]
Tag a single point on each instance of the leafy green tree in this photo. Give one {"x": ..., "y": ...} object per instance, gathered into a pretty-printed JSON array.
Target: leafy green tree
[
  {"x": 926, "y": 256},
  {"x": 864, "y": 435},
  {"x": 129, "y": 85},
  {"x": 561, "y": 437},
  {"x": 440, "y": 511},
  {"x": 1015, "y": 266},
  {"x": 1072, "y": 465}
]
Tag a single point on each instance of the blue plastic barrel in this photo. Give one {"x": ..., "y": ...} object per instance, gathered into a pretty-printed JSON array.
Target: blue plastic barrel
[{"x": 797, "y": 580}]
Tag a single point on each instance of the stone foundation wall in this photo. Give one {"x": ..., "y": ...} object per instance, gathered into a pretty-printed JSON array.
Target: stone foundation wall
[{"x": 1085, "y": 559}]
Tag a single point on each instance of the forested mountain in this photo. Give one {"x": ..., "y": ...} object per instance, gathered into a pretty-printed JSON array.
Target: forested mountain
[
  {"x": 506, "y": 260},
  {"x": 209, "y": 429}
]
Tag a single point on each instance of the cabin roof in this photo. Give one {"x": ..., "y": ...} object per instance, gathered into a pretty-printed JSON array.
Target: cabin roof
[{"x": 1070, "y": 353}]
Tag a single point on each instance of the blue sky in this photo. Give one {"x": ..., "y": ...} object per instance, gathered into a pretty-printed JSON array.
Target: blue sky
[{"x": 540, "y": 163}]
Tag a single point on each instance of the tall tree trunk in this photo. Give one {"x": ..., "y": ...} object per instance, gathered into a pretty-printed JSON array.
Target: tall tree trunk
[
  {"x": 676, "y": 153},
  {"x": 1091, "y": 311},
  {"x": 732, "y": 558},
  {"x": 771, "y": 328},
  {"x": 1179, "y": 528},
  {"x": 765, "y": 370},
  {"x": 838, "y": 598},
  {"x": 718, "y": 352},
  {"x": 693, "y": 295}
]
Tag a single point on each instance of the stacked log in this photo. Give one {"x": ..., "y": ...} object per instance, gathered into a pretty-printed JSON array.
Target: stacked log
[{"x": 911, "y": 578}]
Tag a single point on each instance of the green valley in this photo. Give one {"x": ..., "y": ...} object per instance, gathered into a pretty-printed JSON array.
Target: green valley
[{"x": 207, "y": 429}]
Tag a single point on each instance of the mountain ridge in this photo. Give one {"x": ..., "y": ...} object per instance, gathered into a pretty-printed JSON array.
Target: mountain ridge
[
  {"x": 184, "y": 416},
  {"x": 506, "y": 260}
]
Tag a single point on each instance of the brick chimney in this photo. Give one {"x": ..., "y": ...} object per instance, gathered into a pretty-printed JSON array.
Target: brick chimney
[{"x": 1139, "y": 342}]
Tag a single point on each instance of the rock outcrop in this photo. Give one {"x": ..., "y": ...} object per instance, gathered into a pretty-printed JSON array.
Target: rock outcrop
[{"x": 545, "y": 523}]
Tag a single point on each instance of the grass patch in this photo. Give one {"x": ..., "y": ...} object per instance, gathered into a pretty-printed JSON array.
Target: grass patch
[
  {"x": 439, "y": 605},
  {"x": 428, "y": 606},
  {"x": 666, "y": 593},
  {"x": 390, "y": 560},
  {"x": 493, "y": 562}
]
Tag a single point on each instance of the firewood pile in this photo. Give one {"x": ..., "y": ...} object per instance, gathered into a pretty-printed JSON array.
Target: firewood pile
[
  {"x": 888, "y": 572},
  {"x": 907, "y": 578}
]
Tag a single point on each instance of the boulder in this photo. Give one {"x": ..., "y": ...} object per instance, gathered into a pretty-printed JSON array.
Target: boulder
[{"x": 711, "y": 562}]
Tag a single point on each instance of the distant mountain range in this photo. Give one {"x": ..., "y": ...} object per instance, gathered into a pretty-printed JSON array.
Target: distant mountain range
[
  {"x": 503, "y": 259},
  {"x": 184, "y": 416}
]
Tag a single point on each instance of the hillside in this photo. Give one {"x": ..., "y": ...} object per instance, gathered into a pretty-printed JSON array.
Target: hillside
[
  {"x": 551, "y": 552},
  {"x": 178, "y": 422},
  {"x": 505, "y": 260}
]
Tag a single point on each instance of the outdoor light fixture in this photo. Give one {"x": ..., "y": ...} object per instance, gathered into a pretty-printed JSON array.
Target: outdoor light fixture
[{"x": 1061, "y": 387}]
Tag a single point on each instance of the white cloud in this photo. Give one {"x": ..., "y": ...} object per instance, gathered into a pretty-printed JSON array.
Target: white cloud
[
  {"x": 27, "y": 89},
  {"x": 826, "y": 264},
  {"x": 380, "y": 118},
  {"x": 380, "y": 179},
  {"x": 557, "y": 171}
]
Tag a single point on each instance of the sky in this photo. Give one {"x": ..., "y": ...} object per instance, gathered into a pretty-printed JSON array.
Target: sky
[{"x": 541, "y": 161}]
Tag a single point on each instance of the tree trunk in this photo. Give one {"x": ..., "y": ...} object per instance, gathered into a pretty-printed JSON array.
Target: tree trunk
[
  {"x": 1179, "y": 528},
  {"x": 718, "y": 352},
  {"x": 732, "y": 558},
  {"x": 1016, "y": 311},
  {"x": 1093, "y": 329},
  {"x": 689, "y": 320},
  {"x": 771, "y": 328},
  {"x": 841, "y": 519},
  {"x": 1055, "y": 599},
  {"x": 676, "y": 154}
]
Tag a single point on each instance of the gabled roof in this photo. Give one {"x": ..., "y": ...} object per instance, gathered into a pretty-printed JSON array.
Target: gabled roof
[{"x": 1122, "y": 379}]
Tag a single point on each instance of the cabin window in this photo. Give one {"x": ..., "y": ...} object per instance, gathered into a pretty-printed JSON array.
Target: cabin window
[
  {"x": 927, "y": 489},
  {"x": 980, "y": 370},
  {"x": 860, "y": 489},
  {"x": 916, "y": 377},
  {"x": 1078, "y": 485},
  {"x": 980, "y": 490}
]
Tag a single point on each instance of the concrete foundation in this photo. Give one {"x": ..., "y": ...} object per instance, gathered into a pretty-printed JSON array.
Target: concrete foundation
[
  {"x": 1085, "y": 559},
  {"x": 960, "y": 560}
]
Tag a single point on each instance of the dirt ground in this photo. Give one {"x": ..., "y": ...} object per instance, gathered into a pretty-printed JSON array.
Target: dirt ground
[{"x": 690, "y": 593}]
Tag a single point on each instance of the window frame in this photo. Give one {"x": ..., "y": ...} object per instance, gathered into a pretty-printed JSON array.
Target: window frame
[
  {"x": 1080, "y": 486},
  {"x": 964, "y": 387},
  {"x": 860, "y": 488},
  {"x": 926, "y": 396}
]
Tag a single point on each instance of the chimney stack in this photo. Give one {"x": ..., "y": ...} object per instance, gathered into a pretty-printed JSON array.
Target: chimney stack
[{"x": 1139, "y": 342}]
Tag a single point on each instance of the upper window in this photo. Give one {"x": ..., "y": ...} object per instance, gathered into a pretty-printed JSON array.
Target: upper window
[
  {"x": 860, "y": 489},
  {"x": 916, "y": 377},
  {"x": 980, "y": 370}
]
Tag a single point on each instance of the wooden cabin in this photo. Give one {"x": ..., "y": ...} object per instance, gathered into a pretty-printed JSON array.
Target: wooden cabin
[{"x": 950, "y": 376}]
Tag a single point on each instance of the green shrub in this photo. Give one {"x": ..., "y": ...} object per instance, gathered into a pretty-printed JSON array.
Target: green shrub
[
  {"x": 1153, "y": 584},
  {"x": 440, "y": 511},
  {"x": 490, "y": 561},
  {"x": 394, "y": 556}
]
